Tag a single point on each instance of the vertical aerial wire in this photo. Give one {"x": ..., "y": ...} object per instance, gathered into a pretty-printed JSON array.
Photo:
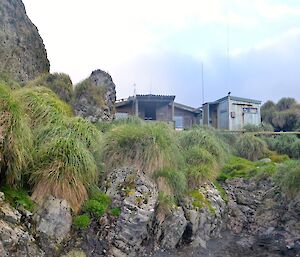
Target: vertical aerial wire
[
  {"x": 202, "y": 78},
  {"x": 228, "y": 50},
  {"x": 134, "y": 89}
]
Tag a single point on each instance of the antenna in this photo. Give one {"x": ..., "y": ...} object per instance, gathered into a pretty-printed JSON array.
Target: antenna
[
  {"x": 228, "y": 50},
  {"x": 202, "y": 79},
  {"x": 134, "y": 89}
]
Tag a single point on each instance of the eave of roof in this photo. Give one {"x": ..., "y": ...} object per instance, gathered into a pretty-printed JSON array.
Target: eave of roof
[
  {"x": 187, "y": 108},
  {"x": 235, "y": 98}
]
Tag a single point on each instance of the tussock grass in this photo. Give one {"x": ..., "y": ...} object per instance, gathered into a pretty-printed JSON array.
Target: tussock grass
[
  {"x": 288, "y": 177},
  {"x": 251, "y": 147},
  {"x": 65, "y": 169},
  {"x": 43, "y": 106},
  {"x": 204, "y": 154},
  {"x": 5, "y": 79},
  {"x": 171, "y": 182},
  {"x": 59, "y": 83},
  {"x": 15, "y": 136},
  {"x": 147, "y": 147}
]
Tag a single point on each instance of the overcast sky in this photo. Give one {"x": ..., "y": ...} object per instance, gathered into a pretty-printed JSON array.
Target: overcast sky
[{"x": 248, "y": 47}]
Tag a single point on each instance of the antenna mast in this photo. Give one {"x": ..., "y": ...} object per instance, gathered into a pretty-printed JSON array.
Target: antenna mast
[{"x": 202, "y": 79}]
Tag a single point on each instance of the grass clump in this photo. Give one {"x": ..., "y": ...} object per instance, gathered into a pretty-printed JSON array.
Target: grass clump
[
  {"x": 5, "y": 79},
  {"x": 166, "y": 204},
  {"x": 175, "y": 180},
  {"x": 18, "y": 198},
  {"x": 82, "y": 221},
  {"x": 43, "y": 106},
  {"x": 288, "y": 177},
  {"x": 65, "y": 169},
  {"x": 59, "y": 83},
  {"x": 147, "y": 147},
  {"x": 15, "y": 138},
  {"x": 251, "y": 147},
  {"x": 204, "y": 154},
  {"x": 285, "y": 144}
]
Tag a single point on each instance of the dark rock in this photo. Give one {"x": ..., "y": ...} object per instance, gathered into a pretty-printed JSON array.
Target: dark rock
[
  {"x": 22, "y": 52},
  {"x": 95, "y": 97}
]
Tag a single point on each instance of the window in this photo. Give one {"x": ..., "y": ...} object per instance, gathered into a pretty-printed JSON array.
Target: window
[{"x": 179, "y": 122}]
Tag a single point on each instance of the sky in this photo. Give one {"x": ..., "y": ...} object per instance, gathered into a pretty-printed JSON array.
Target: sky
[{"x": 194, "y": 49}]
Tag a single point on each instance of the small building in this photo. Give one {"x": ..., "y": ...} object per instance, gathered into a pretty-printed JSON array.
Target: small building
[
  {"x": 231, "y": 113},
  {"x": 158, "y": 108}
]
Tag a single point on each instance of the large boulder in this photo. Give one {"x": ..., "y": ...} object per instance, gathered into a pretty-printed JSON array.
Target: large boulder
[
  {"x": 22, "y": 52},
  {"x": 95, "y": 97},
  {"x": 137, "y": 196},
  {"x": 53, "y": 223}
]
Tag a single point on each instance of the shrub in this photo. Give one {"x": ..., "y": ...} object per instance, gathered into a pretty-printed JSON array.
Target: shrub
[
  {"x": 166, "y": 204},
  {"x": 100, "y": 197},
  {"x": 147, "y": 147},
  {"x": 65, "y": 169},
  {"x": 59, "y": 83},
  {"x": 82, "y": 221},
  {"x": 251, "y": 147},
  {"x": 288, "y": 177},
  {"x": 286, "y": 103},
  {"x": 95, "y": 208},
  {"x": 16, "y": 137}
]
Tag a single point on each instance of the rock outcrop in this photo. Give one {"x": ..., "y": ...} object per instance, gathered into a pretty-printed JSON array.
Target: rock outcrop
[
  {"x": 15, "y": 238},
  {"x": 53, "y": 223},
  {"x": 22, "y": 52},
  {"x": 95, "y": 97}
]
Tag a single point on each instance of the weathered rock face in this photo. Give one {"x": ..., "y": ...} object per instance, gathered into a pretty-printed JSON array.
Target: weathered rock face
[
  {"x": 53, "y": 223},
  {"x": 137, "y": 196},
  {"x": 265, "y": 220},
  {"x": 95, "y": 97},
  {"x": 15, "y": 238},
  {"x": 22, "y": 52}
]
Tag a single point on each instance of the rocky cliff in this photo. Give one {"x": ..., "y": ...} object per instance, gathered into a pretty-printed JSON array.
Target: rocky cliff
[
  {"x": 22, "y": 52},
  {"x": 255, "y": 220}
]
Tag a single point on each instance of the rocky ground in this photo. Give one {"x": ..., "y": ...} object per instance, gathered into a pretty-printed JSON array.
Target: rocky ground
[{"x": 256, "y": 220}]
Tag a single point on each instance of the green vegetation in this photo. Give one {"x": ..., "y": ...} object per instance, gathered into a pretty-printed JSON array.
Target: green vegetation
[
  {"x": 221, "y": 191},
  {"x": 116, "y": 212},
  {"x": 204, "y": 153},
  {"x": 6, "y": 80},
  {"x": 59, "y": 83},
  {"x": 82, "y": 221},
  {"x": 200, "y": 201},
  {"x": 175, "y": 179},
  {"x": 166, "y": 204},
  {"x": 95, "y": 93},
  {"x": 288, "y": 177},
  {"x": 241, "y": 168},
  {"x": 18, "y": 198},
  {"x": 65, "y": 169},
  {"x": 284, "y": 115},
  {"x": 148, "y": 147},
  {"x": 16, "y": 138},
  {"x": 43, "y": 106},
  {"x": 95, "y": 208},
  {"x": 251, "y": 147},
  {"x": 285, "y": 144}
]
